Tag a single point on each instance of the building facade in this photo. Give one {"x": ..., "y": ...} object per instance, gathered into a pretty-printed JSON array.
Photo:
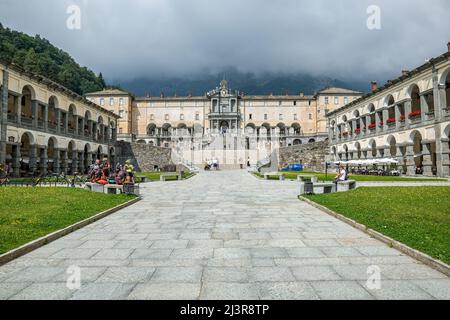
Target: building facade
[
  {"x": 46, "y": 128},
  {"x": 223, "y": 120},
  {"x": 407, "y": 119}
]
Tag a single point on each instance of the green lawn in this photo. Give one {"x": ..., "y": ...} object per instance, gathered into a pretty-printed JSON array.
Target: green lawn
[
  {"x": 416, "y": 216},
  {"x": 154, "y": 176},
  {"x": 330, "y": 176},
  {"x": 29, "y": 213}
]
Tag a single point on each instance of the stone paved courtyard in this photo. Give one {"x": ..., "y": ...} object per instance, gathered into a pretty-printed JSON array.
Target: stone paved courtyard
[{"x": 219, "y": 235}]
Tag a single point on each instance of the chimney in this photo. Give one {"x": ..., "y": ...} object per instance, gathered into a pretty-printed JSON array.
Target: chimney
[
  {"x": 373, "y": 86},
  {"x": 448, "y": 46},
  {"x": 405, "y": 72},
  {"x": 162, "y": 94},
  {"x": 301, "y": 94}
]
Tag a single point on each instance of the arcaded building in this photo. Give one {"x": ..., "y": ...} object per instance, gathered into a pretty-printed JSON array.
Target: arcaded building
[
  {"x": 46, "y": 128},
  {"x": 407, "y": 119}
]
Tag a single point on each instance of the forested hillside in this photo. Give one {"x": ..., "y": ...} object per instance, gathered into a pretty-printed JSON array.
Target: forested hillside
[{"x": 38, "y": 55}]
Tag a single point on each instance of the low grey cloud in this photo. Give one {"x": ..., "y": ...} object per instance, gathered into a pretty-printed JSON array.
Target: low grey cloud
[{"x": 138, "y": 38}]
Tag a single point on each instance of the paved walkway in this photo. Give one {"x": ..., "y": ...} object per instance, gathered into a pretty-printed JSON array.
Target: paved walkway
[{"x": 219, "y": 235}]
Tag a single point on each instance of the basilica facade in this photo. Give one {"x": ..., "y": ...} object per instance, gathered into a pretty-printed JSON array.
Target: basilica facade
[
  {"x": 223, "y": 122},
  {"x": 294, "y": 118}
]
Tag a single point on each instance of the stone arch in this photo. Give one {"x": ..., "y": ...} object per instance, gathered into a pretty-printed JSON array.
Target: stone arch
[
  {"x": 165, "y": 129},
  {"x": 358, "y": 149},
  {"x": 52, "y": 149},
  {"x": 297, "y": 142},
  {"x": 281, "y": 128},
  {"x": 392, "y": 143},
  {"x": 413, "y": 93},
  {"x": 416, "y": 139},
  {"x": 312, "y": 140},
  {"x": 250, "y": 128},
  {"x": 445, "y": 82},
  {"x": 28, "y": 95},
  {"x": 297, "y": 128},
  {"x": 72, "y": 157},
  {"x": 141, "y": 141},
  {"x": 53, "y": 104},
  {"x": 71, "y": 114},
  {"x": 389, "y": 100},
  {"x": 151, "y": 129},
  {"x": 345, "y": 149},
  {"x": 99, "y": 153},
  {"x": 372, "y": 148}
]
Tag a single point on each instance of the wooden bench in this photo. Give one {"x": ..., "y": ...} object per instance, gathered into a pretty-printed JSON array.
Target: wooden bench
[
  {"x": 267, "y": 175},
  {"x": 163, "y": 176},
  {"x": 343, "y": 186},
  {"x": 303, "y": 177}
]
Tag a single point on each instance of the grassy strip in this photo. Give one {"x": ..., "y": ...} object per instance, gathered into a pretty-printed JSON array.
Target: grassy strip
[
  {"x": 30, "y": 213},
  {"x": 290, "y": 175},
  {"x": 416, "y": 216},
  {"x": 155, "y": 176}
]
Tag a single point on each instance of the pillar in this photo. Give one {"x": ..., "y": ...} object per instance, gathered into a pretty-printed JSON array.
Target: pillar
[
  {"x": 397, "y": 116},
  {"x": 58, "y": 120},
  {"x": 18, "y": 103},
  {"x": 443, "y": 157},
  {"x": 43, "y": 161},
  {"x": 385, "y": 117},
  {"x": 407, "y": 111},
  {"x": 83, "y": 124},
  {"x": 426, "y": 163},
  {"x": 63, "y": 161},
  {"x": 423, "y": 108},
  {"x": 56, "y": 161},
  {"x": 81, "y": 163},
  {"x": 46, "y": 117},
  {"x": 16, "y": 160},
  {"x": 34, "y": 112},
  {"x": 74, "y": 161},
  {"x": 66, "y": 122},
  {"x": 89, "y": 159},
  {"x": 3, "y": 114},
  {"x": 409, "y": 155},
  {"x": 32, "y": 163}
]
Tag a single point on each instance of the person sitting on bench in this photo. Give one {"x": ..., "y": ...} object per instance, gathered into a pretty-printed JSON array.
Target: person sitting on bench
[{"x": 341, "y": 175}]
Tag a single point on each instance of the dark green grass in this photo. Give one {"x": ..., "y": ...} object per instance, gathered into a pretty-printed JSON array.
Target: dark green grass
[
  {"x": 416, "y": 216},
  {"x": 330, "y": 176},
  {"x": 28, "y": 213}
]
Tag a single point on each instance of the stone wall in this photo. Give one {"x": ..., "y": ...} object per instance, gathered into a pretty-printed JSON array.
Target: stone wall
[
  {"x": 143, "y": 156},
  {"x": 311, "y": 155}
]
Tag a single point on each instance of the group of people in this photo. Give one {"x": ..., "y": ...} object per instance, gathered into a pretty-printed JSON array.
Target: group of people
[
  {"x": 212, "y": 164},
  {"x": 101, "y": 172}
]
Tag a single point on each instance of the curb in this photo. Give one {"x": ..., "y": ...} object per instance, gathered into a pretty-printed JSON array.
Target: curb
[
  {"x": 420, "y": 256},
  {"x": 35, "y": 244}
]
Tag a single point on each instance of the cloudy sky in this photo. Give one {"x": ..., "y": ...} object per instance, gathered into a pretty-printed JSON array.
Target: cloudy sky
[{"x": 139, "y": 38}]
